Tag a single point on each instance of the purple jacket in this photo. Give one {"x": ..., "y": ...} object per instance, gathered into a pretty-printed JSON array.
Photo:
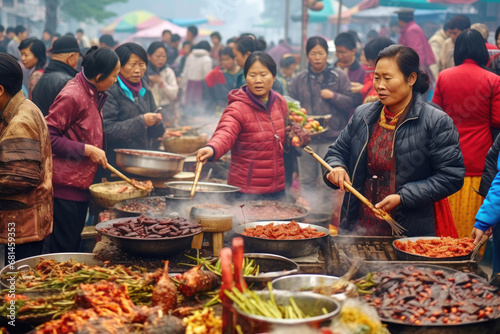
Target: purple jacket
[{"x": 414, "y": 37}]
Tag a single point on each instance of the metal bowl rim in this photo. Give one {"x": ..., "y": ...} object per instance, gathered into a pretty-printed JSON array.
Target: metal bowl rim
[
  {"x": 230, "y": 188},
  {"x": 304, "y": 214},
  {"x": 425, "y": 257},
  {"x": 109, "y": 222},
  {"x": 237, "y": 230},
  {"x": 272, "y": 257},
  {"x": 318, "y": 318},
  {"x": 115, "y": 207},
  {"x": 165, "y": 154}
]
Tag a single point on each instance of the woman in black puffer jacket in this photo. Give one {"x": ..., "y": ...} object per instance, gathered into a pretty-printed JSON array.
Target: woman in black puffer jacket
[{"x": 422, "y": 165}]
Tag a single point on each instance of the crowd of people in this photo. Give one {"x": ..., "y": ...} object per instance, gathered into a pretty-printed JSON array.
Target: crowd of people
[{"x": 410, "y": 123}]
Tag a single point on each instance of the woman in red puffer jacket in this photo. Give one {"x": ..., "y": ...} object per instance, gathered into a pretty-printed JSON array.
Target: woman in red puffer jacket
[{"x": 253, "y": 128}]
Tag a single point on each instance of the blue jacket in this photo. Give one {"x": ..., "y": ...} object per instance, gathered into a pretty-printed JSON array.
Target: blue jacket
[{"x": 489, "y": 213}]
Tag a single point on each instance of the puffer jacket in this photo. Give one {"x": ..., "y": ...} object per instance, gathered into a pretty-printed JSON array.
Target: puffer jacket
[
  {"x": 198, "y": 65},
  {"x": 75, "y": 119},
  {"x": 306, "y": 88},
  {"x": 490, "y": 168},
  {"x": 429, "y": 163},
  {"x": 26, "y": 202},
  {"x": 255, "y": 134},
  {"x": 53, "y": 80},
  {"x": 124, "y": 123}
]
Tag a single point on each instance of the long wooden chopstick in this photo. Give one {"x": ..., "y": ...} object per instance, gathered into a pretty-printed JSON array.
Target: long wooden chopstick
[
  {"x": 117, "y": 172},
  {"x": 197, "y": 173}
]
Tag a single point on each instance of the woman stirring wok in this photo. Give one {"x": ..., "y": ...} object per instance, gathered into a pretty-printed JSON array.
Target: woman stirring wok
[
  {"x": 411, "y": 147},
  {"x": 253, "y": 128}
]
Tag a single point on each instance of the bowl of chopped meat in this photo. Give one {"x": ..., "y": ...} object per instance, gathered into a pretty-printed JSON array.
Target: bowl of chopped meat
[
  {"x": 107, "y": 194},
  {"x": 434, "y": 249},
  {"x": 285, "y": 238}
]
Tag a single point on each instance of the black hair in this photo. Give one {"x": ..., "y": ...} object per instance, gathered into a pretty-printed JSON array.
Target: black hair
[
  {"x": 69, "y": 33},
  {"x": 227, "y": 52},
  {"x": 216, "y": 34},
  {"x": 373, "y": 47},
  {"x": 373, "y": 34},
  {"x": 287, "y": 60},
  {"x": 56, "y": 35},
  {"x": 470, "y": 45},
  {"x": 155, "y": 46},
  {"x": 408, "y": 63},
  {"x": 187, "y": 43},
  {"x": 231, "y": 40},
  {"x": 79, "y": 30},
  {"x": 2, "y": 28},
  {"x": 10, "y": 29},
  {"x": 165, "y": 32},
  {"x": 446, "y": 26},
  {"x": 11, "y": 75},
  {"x": 37, "y": 48},
  {"x": 460, "y": 22},
  {"x": 345, "y": 39},
  {"x": 193, "y": 30},
  {"x": 175, "y": 38},
  {"x": 497, "y": 32},
  {"x": 248, "y": 34},
  {"x": 124, "y": 52},
  {"x": 19, "y": 30},
  {"x": 99, "y": 61},
  {"x": 354, "y": 35},
  {"x": 316, "y": 40},
  {"x": 264, "y": 59},
  {"x": 203, "y": 45},
  {"x": 247, "y": 44}
]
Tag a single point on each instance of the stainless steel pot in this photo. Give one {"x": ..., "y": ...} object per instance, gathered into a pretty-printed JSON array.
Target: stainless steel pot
[
  {"x": 286, "y": 247},
  {"x": 206, "y": 191},
  {"x": 149, "y": 163},
  {"x": 146, "y": 247}
]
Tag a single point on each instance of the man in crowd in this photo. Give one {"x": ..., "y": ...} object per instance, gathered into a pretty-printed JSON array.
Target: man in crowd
[
  {"x": 414, "y": 37},
  {"x": 173, "y": 49},
  {"x": 13, "y": 46},
  {"x": 166, "y": 37},
  {"x": 437, "y": 42},
  {"x": 47, "y": 38},
  {"x": 3, "y": 47},
  {"x": 456, "y": 25},
  {"x": 62, "y": 68},
  {"x": 83, "y": 41},
  {"x": 26, "y": 202},
  {"x": 107, "y": 41},
  {"x": 191, "y": 34}
]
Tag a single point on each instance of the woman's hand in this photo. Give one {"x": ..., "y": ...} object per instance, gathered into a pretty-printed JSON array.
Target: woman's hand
[
  {"x": 204, "y": 154},
  {"x": 327, "y": 94},
  {"x": 477, "y": 234},
  {"x": 338, "y": 176},
  {"x": 356, "y": 87},
  {"x": 389, "y": 203},
  {"x": 152, "y": 119},
  {"x": 96, "y": 155}
]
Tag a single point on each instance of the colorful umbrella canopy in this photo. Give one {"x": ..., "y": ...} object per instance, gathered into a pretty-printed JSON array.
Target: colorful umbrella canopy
[
  {"x": 330, "y": 7},
  {"x": 188, "y": 22},
  {"x": 132, "y": 22},
  {"x": 155, "y": 31}
]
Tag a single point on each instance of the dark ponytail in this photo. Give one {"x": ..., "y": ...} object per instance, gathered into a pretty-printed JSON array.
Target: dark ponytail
[
  {"x": 99, "y": 61},
  {"x": 250, "y": 44},
  {"x": 408, "y": 62}
]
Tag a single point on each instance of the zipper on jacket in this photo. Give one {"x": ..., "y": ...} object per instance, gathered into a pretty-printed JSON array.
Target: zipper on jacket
[
  {"x": 394, "y": 139},
  {"x": 278, "y": 139},
  {"x": 357, "y": 162}
]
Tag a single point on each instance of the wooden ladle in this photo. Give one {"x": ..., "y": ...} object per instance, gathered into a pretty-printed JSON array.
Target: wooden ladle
[{"x": 132, "y": 182}]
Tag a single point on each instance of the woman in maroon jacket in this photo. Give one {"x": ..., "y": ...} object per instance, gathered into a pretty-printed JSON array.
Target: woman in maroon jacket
[
  {"x": 470, "y": 94},
  {"x": 253, "y": 128},
  {"x": 76, "y": 131}
]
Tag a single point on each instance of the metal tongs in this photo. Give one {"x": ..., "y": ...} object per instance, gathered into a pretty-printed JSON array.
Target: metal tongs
[{"x": 397, "y": 229}]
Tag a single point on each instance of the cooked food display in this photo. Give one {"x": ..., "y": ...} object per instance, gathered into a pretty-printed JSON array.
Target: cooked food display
[
  {"x": 299, "y": 116},
  {"x": 149, "y": 227},
  {"x": 196, "y": 280},
  {"x": 155, "y": 205},
  {"x": 272, "y": 210},
  {"x": 203, "y": 321},
  {"x": 438, "y": 247},
  {"x": 146, "y": 185},
  {"x": 291, "y": 230},
  {"x": 428, "y": 296}
]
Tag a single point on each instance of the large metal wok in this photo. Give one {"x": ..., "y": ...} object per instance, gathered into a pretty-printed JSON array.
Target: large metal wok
[
  {"x": 149, "y": 163},
  {"x": 211, "y": 192},
  {"x": 286, "y": 247},
  {"x": 406, "y": 256},
  {"x": 146, "y": 247}
]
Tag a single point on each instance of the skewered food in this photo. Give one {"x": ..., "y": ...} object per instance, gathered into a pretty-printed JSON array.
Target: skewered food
[
  {"x": 146, "y": 185},
  {"x": 196, "y": 280},
  {"x": 291, "y": 230},
  {"x": 442, "y": 247},
  {"x": 425, "y": 296},
  {"x": 165, "y": 292},
  {"x": 149, "y": 227}
]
